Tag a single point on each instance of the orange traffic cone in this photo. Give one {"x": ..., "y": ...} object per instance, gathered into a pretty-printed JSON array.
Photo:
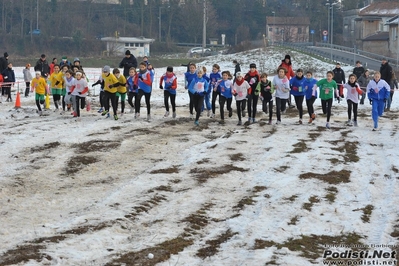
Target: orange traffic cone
[{"x": 18, "y": 101}]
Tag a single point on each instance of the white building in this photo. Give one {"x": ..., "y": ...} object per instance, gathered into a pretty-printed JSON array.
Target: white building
[{"x": 139, "y": 47}]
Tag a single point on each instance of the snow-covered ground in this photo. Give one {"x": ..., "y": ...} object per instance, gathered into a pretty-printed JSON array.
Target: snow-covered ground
[{"x": 105, "y": 192}]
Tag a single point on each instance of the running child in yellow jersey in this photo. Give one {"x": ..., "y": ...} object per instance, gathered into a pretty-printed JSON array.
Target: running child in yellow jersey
[
  {"x": 39, "y": 85},
  {"x": 56, "y": 80},
  {"x": 111, "y": 84},
  {"x": 121, "y": 90}
]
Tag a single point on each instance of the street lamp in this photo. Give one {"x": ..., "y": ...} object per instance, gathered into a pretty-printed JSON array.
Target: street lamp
[
  {"x": 160, "y": 19},
  {"x": 331, "y": 33},
  {"x": 274, "y": 25}
]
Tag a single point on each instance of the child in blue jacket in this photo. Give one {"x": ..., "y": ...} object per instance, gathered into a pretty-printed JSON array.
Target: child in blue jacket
[
  {"x": 296, "y": 85},
  {"x": 310, "y": 95},
  {"x": 198, "y": 88},
  {"x": 378, "y": 92}
]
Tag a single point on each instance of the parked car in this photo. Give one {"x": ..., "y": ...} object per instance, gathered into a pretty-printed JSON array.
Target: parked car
[
  {"x": 198, "y": 51},
  {"x": 35, "y": 32}
]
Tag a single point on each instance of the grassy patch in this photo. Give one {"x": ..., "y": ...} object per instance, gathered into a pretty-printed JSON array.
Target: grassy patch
[
  {"x": 334, "y": 161},
  {"x": 282, "y": 168},
  {"x": 262, "y": 244},
  {"x": 292, "y": 198},
  {"x": 293, "y": 220},
  {"x": 308, "y": 205},
  {"x": 161, "y": 188},
  {"x": 45, "y": 147},
  {"x": 248, "y": 200},
  {"x": 198, "y": 220},
  {"x": 76, "y": 163},
  {"x": 349, "y": 149},
  {"x": 314, "y": 135},
  {"x": 169, "y": 170},
  {"x": 203, "y": 174},
  {"x": 145, "y": 206},
  {"x": 367, "y": 213},
  {"x": 331, "y": 195},
  {"x": 212, "y": 246},
  {"x": 96, "y": 145},
  {"x": 333, "y": 177},
  {"x": 300, "y": 147},
  {"x": 237, "y": 157}
]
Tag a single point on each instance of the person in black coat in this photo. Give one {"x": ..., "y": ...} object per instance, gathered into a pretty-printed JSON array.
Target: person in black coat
[
  {"x": 386, "y": 74},
  {"x": 9, "y": 79},
  {"x": 358, "y": 70},
  {"x": 127, "y": 62},
  {"x": 339, "y": 77},
  {"x": 3, "y": 62},
  {"x": 43, "y": 66}
]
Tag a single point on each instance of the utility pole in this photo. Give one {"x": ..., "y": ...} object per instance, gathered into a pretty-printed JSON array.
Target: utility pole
[
  {"x": 160, "y": 18},
  {"x": 204, "y": 30},
  {"x": 37, "y": 14}
]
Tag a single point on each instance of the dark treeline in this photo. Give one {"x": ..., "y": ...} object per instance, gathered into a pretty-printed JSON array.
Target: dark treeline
[{"x": 75, "y": 25}]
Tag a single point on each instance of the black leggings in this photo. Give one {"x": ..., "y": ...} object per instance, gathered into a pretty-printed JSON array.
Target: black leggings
[
  {"x": 130, "y": 97},
  {"x": 215, "y": 94},
  {"x": 166, "y": 96},
  {"x": 240, "y": 105},
  {"x": 38, "y": 104},
  {"x": 326, "y": 105},
  {"x": 222, "y": 101},
  {"x": 350, "y": 105},
  {"x": 107, "y": 97},
  {"x": 27, "y": 83},
  {"x": 7, "y": 90},
  {"x": 252, "y": 103},
  {"x": 191, "y": 105},
  {"x": 264, "y": 108},
  {"x": 298, "y": 103},
  {"x": 80, "y": 102},
  {"x": 198, "y": 102},
  {"x": 147, "y": 97},
  {"x": 309, "y": 104},
  {"x": 101, "y": 98},
  {"x": 280, "y": 104},
  {"x": 56, "y": 98}
]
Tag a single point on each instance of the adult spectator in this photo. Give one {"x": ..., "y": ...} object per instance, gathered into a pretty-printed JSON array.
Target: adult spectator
[
  {"x": 358, "y": 70},
  {"x": 64, "y": 61},
  {"x": 42, "y": 66},
  {"x": 3, "y": 62},
  {"x": 127, "y": 62},
  {"x": 237, "y": 67},
  {"x": 339, "y": 77},
  {"x": 386, "y": 74}
]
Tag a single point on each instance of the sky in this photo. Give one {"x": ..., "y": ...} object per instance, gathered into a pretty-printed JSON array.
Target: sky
[{"x": 99, "y": 191}]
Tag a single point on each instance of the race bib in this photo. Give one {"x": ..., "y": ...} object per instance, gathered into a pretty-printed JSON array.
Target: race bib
[
  {"x": 240, "y": 93},
  {"x": 327, "y": 91},
  {"x": 300, "y": 89}
]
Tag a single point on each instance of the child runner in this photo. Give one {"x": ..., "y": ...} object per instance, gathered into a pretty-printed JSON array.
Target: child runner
[
  {"x": 297, "y": 90},
  {"x": 207, "y": 97},
  {"x": 69, "y": 81},
  {"x": 39, "y": 84},
  {"x": 64, "y": 69},
  {"x": 266, "y": 95},
  {"x": 311, "y": 95},
  {"x": 101, "y": 96},
  {"x": 378, "y": 92},
  {"x": 121, "y": 90},
  {"x": 189, "y": 76},
  {"x": 252, "y": 77},
  {"x": 328, "y": 87},
  {"x": 225, "y": 94},
  {"x": 27, "y": 78},
  {"x": 214, "y": 78},
  {"x": 111, "y": 84},
  {"x": 282, "y": 86},
  {"x": 170, "y": 81},
  {"x": 56, "y": 86},
  {"x": 363, "y": 81},
  {"x": 9, "y": 79},
  {"x": 144, "y": 85},
  {"x": 131, "y": 84},
  {"x": 197, "y": 88},
  {"x": 352, "y": 98},
  {"x": 240, "y": 90},
  {"x": 79, "y": 91}
]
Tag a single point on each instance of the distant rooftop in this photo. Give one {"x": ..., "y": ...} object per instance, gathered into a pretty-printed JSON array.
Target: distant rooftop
[{"x": 381, "y": 9}]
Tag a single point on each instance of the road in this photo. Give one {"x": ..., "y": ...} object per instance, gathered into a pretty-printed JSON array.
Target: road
[{"x": 349, "y": 58}]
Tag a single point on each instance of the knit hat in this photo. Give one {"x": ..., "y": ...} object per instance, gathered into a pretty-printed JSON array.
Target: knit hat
[
  {"x": 38, "y": 73},
  {"x": 384, "y": 59},
  {"x": 76, "y": 60},
  {"x": 43, "y": 56},
  {"x": 239, "y": 74},
  {"x": 64, "y": 58},
  {"x": 169, "y": 69},
  {"x": 5, "y": 54},
  {"x": 107, "y": 69},
  {"x": 287, "y": 56},
  {"x": 252, "y": 65},
  {"x": 127, "y": 52}
]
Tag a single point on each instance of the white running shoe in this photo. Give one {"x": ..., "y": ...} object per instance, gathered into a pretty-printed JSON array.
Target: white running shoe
[
  {"x": 208, "y": 113},
  {"x": 174, "y": 115},
  {"x": 166, "y": 114}
]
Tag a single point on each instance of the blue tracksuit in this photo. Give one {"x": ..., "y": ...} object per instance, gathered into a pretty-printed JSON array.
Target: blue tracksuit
[
  {"x": 296, "y": 85},
  {"x": 307, "y": 86},
  {"x": 378, "y": 92}
]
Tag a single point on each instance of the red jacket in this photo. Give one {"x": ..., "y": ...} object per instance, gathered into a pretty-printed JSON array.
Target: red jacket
[{"x": 290, "y": 73}]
